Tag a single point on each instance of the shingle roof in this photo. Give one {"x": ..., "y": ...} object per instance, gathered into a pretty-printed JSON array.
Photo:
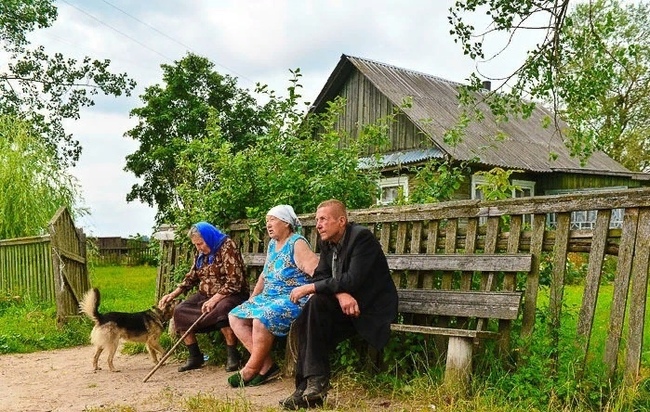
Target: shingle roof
[{"x": 435, "y": 109}]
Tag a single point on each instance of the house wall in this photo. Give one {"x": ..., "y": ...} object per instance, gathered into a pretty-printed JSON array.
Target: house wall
[
  {"x": 570, "y": 181},
  {"x": 366, "y": 105}
]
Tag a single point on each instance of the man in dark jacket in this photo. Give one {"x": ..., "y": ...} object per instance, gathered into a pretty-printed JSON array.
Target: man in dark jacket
[{"x": 352, "y": 293}]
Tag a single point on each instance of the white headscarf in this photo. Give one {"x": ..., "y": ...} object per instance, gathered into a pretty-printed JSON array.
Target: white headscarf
[{"x": 286, "y": 214}]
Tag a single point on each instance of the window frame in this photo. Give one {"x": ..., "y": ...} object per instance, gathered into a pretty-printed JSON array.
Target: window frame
[{"x": 389, "y": 182}]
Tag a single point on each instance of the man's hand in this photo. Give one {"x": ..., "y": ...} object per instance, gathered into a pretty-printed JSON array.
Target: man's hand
[{"x": 348, "y": 304}]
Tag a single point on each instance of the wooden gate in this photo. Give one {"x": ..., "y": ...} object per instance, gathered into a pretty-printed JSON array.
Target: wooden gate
[{"x": 69, "y": 264}]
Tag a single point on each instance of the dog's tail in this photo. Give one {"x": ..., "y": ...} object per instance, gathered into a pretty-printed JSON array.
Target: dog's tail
[{"x": 90, "y": 304}]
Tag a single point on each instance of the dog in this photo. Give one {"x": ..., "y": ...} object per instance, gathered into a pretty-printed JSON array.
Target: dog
[{"x": 145, "y": 327}]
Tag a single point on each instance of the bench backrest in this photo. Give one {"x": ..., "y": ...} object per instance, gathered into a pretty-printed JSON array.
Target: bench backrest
[{"x": 470, "y": 304}]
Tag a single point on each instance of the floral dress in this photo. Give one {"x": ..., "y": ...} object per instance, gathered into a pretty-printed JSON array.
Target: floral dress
[{"x": 272, "y": 306}]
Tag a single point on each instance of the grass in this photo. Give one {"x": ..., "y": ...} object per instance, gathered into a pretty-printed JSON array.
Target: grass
[{"x": 412, "y": 384}]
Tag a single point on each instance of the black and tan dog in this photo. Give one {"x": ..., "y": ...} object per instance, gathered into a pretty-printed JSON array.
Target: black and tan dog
[{"x": 145, "y": 327}]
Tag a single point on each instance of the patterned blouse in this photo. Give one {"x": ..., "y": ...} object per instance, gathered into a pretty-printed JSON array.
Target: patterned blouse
[{"x": 226, "y": 275}]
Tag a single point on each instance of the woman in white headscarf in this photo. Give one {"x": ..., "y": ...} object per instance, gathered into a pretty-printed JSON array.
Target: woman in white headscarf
[{"x": 269, "y": 311}]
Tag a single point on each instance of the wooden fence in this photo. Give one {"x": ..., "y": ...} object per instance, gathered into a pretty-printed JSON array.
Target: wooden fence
[
  {"x": 472, "y": 226},
  {"x": 50, "y": 268},
  {"x": 121, "y": 251}
]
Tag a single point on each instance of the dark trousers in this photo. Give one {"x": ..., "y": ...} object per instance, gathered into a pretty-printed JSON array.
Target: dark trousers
[{"x": 320, "y": 327}]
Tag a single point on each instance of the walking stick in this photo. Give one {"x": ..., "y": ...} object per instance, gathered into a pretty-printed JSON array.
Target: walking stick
[{"x": 169, "y": 352}]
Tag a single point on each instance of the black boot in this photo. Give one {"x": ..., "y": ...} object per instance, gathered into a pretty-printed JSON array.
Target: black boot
[
  {"x": 195, "y": 360},
  {"x": 234, "y": 360}
]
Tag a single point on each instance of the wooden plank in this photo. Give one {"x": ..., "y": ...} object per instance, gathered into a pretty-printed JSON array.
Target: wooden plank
[
  {"x": 621, "y": 284},
  {"x": 451, "y": 233},
  {"x": 384, "y": 239},
  {"x": 72, "y": 256},
  {"x": 400, "y": 242},
  {"x": 432, "y": 237},
  {"x": 560, "y": 251},
  {"x": 638, "y": 298},
  {"x": 492, "y": 305},
  {"x": 592, "y": 280},
  {"x": 254, "y": 259},
  {"x": 416, "y": 237},
  {"x": 435, "y": 330},
  {"x": 532, "y": 280},
  {"x": 506, "y": 262},
  {"x": 509, "y": 283}
]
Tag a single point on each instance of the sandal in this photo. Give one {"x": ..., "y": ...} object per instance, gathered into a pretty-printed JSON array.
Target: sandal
[
  {"x": 237, "y": 381},
  {"x": 273, "y": 372}
]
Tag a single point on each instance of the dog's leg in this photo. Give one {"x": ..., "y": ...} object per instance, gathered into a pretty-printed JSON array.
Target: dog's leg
[
  {"x": 96, "y": 358},
  {"x": 154, "y": 349},
  {"x": 112, "y": 348}
]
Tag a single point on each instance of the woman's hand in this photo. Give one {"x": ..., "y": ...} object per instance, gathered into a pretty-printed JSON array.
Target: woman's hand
[
  {"x": 300, "y": 291},
  {"x": 164, "y": 301},
  {"x": 210, "y": 304}
]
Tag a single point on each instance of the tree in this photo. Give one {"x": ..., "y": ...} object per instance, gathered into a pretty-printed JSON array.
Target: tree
[
  {"x": 34, "y": 183},
  {"x": 297, "y": 162},
  {"x": 43, "y": 89},
  {"x": 583, "y": 67},
  {"x": 174, "y": 116},
  {"x": 605, "y": 90}
]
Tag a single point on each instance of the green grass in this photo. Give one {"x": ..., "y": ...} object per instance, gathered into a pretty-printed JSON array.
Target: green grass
[
  {"x": 29, "y": 326},
  {"x": 125, "y": 288}
]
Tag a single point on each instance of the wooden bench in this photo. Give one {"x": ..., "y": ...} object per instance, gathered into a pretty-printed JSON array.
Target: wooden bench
[{"x": 464, "y": 314}]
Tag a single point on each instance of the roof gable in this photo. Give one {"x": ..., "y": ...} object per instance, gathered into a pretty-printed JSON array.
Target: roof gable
[{"x": 435, "y": 109}]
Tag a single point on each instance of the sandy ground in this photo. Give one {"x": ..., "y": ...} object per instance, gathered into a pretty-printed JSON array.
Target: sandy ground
[{"x": 63, "y": 380}]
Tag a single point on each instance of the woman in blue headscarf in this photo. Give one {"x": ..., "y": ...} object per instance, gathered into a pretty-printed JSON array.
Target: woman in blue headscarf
[{"x": 220, "y": 274}]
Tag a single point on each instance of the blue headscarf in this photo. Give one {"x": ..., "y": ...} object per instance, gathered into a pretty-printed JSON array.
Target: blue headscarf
[{"x": 212, "y": 237}]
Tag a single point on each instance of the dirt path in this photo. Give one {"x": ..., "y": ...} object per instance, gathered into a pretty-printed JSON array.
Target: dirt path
[{"x": 63, "y": 380}]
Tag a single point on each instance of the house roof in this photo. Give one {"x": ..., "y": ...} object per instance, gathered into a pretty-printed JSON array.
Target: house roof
[
  {"x": 435, "y": 109},
  {"x": 401, "y": 158}
]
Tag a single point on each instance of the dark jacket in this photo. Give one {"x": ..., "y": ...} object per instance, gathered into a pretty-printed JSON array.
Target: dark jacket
[{"x": 364, "y": 274}]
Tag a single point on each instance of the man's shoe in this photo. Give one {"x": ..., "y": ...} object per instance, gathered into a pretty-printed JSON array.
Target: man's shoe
[
  {"x": 295, "y": 401},
  {"x": 192, "y": 363},
  {"x": 316, "y": 390}
]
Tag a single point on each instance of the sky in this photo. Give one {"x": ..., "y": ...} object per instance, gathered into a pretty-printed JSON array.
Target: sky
[{"x": 252, "y": 40}]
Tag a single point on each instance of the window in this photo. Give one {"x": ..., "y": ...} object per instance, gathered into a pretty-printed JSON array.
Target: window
[
  {"x": 525, "y": 188},
  {"x": 391, "y": 188},
  {"x": 586, "y": 219}
]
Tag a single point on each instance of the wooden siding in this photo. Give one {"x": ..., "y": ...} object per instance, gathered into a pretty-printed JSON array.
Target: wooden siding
[{"x": 365, "y": 104}]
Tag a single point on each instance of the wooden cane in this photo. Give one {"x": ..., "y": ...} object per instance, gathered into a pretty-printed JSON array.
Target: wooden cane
[{"x": 169, "y": 352}]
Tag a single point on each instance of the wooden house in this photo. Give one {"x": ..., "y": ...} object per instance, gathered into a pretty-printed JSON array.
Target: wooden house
[{"x": 373, "y": 90}]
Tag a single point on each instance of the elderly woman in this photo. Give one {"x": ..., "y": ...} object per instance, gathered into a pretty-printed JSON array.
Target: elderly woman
[
  {"x": 218, "y": 270},
  {"x": 269, "y": 312}
]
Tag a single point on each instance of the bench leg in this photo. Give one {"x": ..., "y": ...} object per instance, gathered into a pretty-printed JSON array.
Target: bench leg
[{"x": 459, "y": 365}]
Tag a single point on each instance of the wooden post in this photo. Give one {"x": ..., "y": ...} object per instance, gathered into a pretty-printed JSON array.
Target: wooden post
[{"x": 459, "y": 366}]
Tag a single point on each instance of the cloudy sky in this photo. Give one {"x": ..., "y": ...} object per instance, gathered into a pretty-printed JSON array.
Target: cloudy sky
[{"x": 253, "y": 40}]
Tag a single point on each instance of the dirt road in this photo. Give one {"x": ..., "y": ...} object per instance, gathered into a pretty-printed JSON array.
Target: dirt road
[{"x": 63, "y": 380}]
